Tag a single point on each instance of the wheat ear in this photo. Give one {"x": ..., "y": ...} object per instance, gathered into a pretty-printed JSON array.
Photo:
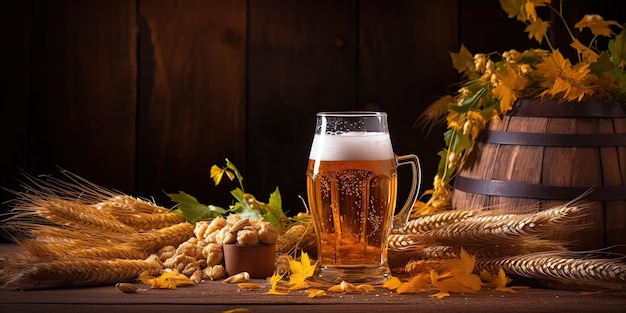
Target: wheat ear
[
  {"x": 506, "y": 228},
  {"x": 426, "y": 223},
  {"x": 77, "y": 272},
  {"x": 562, "y": 267},
  {"x": 152, "y": 241}
]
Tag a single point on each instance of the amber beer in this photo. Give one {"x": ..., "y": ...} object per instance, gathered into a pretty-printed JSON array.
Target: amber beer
[
  {"x": 351, "y": 185},
  {"x": 352, "y": 202}
]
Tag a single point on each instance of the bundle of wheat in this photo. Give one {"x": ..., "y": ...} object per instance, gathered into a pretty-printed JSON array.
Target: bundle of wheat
[
  {"x": 520, "y": 244},
  {"x": 74, "y": 232}
]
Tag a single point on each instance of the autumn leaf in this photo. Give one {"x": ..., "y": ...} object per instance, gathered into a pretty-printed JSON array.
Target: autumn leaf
[
  {"x": 514, "y": 8},
  {"x": 392, "y": 283},
  {"x": 463, "y": 60},
  {"x": 274, "y": 283},
  {"x": 537, "y": 29},
  {"x": 596, "y": 24},
  {"x": 418, "y": 283},
  {"x": 316, "y": 293},
  {"x": 457, "y": 276},
  {"x": 300, "y": 271},
  {"x": 510, "y": 84},
  {"x": 167, "y": 280},
  {"x": 588, "y": 55}
]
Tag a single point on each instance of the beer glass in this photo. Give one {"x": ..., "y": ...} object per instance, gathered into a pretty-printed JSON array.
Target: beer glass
[{"x": 351, "y": 189}]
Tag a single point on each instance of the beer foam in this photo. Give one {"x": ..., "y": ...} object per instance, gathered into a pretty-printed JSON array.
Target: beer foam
[{"x": 351, "y": 146}]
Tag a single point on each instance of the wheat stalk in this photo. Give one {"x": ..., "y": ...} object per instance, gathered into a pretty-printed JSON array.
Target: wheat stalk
[
  {"x": 148, "y": 221},
  {"x": 564, "y": 267},
  {"x": 82, "y": 249},
  {"x": 427, "y": 223},
  {"x": 505, "y": 228},
  {"x": 71, "y": 213},
  {"x": 152, "y": 241},
  {"x": 75, "y": 272}
]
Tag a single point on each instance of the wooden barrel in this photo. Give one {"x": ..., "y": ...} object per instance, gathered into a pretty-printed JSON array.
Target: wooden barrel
[{"x": 547, "y": 153}]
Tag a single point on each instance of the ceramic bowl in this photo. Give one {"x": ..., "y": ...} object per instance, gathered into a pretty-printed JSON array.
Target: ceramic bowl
[{"x": 258, "y": 260}]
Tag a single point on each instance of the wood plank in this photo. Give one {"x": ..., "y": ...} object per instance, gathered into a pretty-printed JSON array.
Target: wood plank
[
  {"x": 83, "y": 90},
  {"x": 302, "y": 59},
  {"x": 191, "y": 104},
  {"x": 404, "y": 66},
  {"x": 15, "y": 97}
]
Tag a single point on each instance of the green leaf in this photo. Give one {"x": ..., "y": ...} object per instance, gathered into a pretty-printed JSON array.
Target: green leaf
[
  {"x": 242, "y": 209},
  {"x": 273, "y": 219},
  {"x": 275, "y": 210},
  {"x": 193, "y": 210},
  {"x": 232, "y": 167},
  {"x": 617, "y": 47},
  {"x": 276, "y": 201},
  {"x": 603, "y": 65},
  {"x": 238, "y": 194}
]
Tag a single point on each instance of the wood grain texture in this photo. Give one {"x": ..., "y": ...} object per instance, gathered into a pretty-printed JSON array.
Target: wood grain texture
[
  {"x": 302, "y": 59},
  {"x": 191, "y": 106},
  {"x": 83, "y": 90},
  {"x": 404, "y": 66},
  {"x": 576, "y": 166},
  {"x": 15, "y": 91}
]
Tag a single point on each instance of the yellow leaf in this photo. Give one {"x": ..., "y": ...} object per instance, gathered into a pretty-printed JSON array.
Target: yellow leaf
[
  {"x": 597, "y": 25},
  {"x": 365, "y": 288},
  {"x": 274, "y": 282},
  {"x": 537, "y": 29},
  {"x": 416, "y": 284},
  {"x": 300, "y": 271},
  {"x": 531, "y": 13},
  {"x": 392, "y": 283},
  {"x": 299, "y": 286},
  {"x": 588, "y": 55},
  {"x": 216, "y": 173},
  {"x": 167, "y": 280},
  {"x": 514, "y": 8},
  {"x": 553, "y": 65},
  {"x": 463, "y": 60},
  {"x": 440, "y": 295},
  {"x": 510, "y": 83},
  {"x": 316, "y": 293}
]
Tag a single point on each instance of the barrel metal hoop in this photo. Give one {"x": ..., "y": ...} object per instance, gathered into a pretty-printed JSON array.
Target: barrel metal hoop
[
  {"x": 554, "y": 140},
  {"x": 537, "y": 108},
  {"x": 547, "y": 192}
]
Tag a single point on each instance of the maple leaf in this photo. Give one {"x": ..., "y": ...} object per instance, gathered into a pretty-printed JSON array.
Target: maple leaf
[
  {"x": 457, "y": 276},
  {"x": 300, "y": 271},
  {"x": 510, "y": 84},
  {"x": 514, "y": 8},
  {"x": 274, "y": 283},
  {"x": 553, "y": 65},
  {"x": 463, "y": 60},
  {"x": 537, "y": 29},
  {"x": 597, "y": 25},
  {"x": 392, "y": 283},
  {"x": 167, "y": 280},
  {"x": 418, "y": 283},
  {"x": 588, "y": 55}
]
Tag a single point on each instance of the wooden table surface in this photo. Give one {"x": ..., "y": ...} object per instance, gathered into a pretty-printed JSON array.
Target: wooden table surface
[{"x": 217, "y": 296}]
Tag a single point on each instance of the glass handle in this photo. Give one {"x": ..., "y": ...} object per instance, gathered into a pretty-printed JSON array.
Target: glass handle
[{"x": 402, "y": 217}]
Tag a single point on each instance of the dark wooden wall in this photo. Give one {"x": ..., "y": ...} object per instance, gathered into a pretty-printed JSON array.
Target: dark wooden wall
[{"x": 143, "y": 96}]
